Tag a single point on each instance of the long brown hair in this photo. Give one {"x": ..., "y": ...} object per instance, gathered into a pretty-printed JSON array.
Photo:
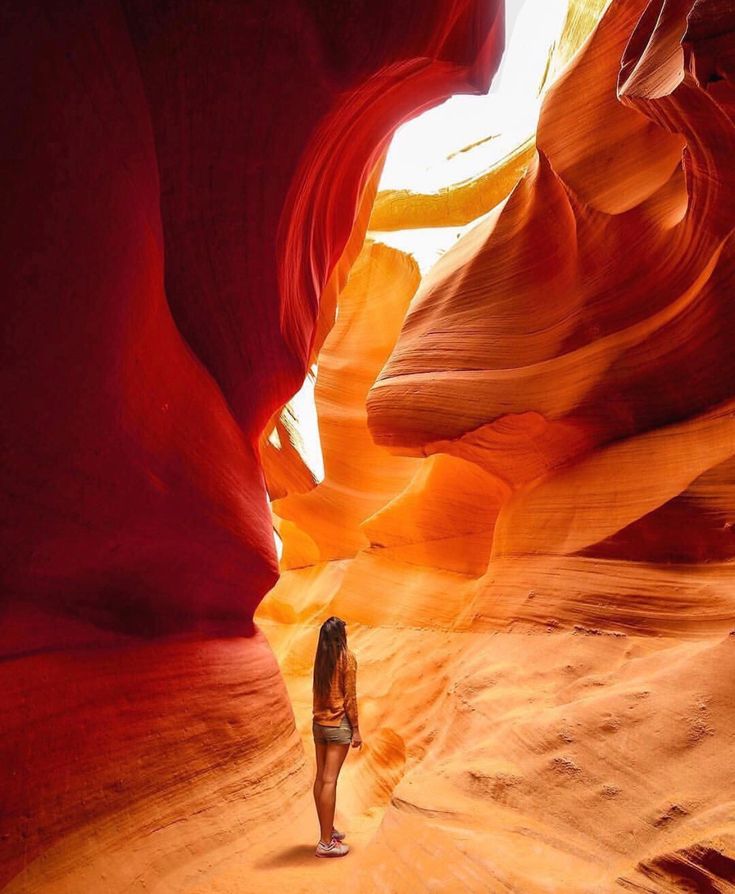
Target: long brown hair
[{"x": 332, "y": 643}]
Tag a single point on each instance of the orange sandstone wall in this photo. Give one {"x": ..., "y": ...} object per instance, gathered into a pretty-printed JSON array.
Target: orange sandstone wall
[
  {"x": 543, "y": 613},
  {"x": 582, "y": 357}
]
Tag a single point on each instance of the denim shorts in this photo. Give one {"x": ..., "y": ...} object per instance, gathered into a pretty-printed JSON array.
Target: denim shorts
[{"x": 341, "y": 735}]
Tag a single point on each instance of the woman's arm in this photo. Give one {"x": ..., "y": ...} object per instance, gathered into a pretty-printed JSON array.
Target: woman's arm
[{"x": 350, "y": 681}]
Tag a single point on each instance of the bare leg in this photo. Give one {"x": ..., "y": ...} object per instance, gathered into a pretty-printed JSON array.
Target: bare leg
[
  {"x": 321, "y": 753},
  {"x": 327, "y": 797}
]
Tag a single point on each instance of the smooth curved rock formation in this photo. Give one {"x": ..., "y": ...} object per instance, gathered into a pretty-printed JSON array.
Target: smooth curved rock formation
[
  {"x": 526, "y": 516},
  {"x": 181, "y": 184},
  {"x": 544, "y": 617},
  {"x": 359, "y": 477},
  {"x": 626, "y": 347}
]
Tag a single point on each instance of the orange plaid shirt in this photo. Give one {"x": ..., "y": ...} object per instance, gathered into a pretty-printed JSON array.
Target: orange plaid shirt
[{"x": 342, "y": 698}]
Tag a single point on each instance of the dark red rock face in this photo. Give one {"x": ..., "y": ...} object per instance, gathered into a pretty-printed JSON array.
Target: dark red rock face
[
  {"x": 166, "y": 164},
  {"x": 178, "y": 181}
]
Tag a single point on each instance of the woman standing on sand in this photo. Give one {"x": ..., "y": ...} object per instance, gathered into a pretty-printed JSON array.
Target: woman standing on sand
[{"x": 334, "y": 726}]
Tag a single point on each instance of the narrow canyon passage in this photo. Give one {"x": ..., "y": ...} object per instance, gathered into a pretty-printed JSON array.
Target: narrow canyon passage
[
  {"x": 525, "y": 388},
  {"x": 537, "y": 602},
  {"x": 560, "y": 755}
]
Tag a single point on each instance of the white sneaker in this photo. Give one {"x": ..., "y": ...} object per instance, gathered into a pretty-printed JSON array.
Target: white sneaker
[{"x": 333, "y": 849}]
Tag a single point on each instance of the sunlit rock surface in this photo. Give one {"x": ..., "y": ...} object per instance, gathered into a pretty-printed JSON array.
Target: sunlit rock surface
[
  {"x": 359, "y": 477},
  {"x": 544, "y": 617},
  {"x": 181, "y": 183}
]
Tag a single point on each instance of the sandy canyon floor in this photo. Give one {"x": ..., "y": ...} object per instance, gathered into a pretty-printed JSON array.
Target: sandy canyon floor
[{"x": 547, "y": 759}]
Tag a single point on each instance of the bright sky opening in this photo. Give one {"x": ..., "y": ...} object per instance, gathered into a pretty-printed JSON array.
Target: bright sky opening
[{"x": 431, "y": 152}]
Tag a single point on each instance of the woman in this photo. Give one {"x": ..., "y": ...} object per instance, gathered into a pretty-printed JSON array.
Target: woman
[{"x": 334, "y": 726}]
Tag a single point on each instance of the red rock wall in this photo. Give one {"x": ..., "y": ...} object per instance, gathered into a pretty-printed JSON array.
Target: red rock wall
[{"x": 179, "y": 182}]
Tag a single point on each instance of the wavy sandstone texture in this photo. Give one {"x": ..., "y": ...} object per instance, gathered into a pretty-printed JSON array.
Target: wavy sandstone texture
[
  {"x": 526, "y": 516},
  {"x": 544, "y": 617},
  {"x": 181, "y": 184}
]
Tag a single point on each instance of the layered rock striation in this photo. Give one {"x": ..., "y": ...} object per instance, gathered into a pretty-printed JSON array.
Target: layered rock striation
[{"x": 527, "y": 507}]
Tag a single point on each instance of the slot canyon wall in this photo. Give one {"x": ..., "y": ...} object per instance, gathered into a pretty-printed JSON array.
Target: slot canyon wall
[
  {"x": 538, "y": 575},
  {"x": 182, "y": 183},
  {"x": 527, "y": 508}
]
